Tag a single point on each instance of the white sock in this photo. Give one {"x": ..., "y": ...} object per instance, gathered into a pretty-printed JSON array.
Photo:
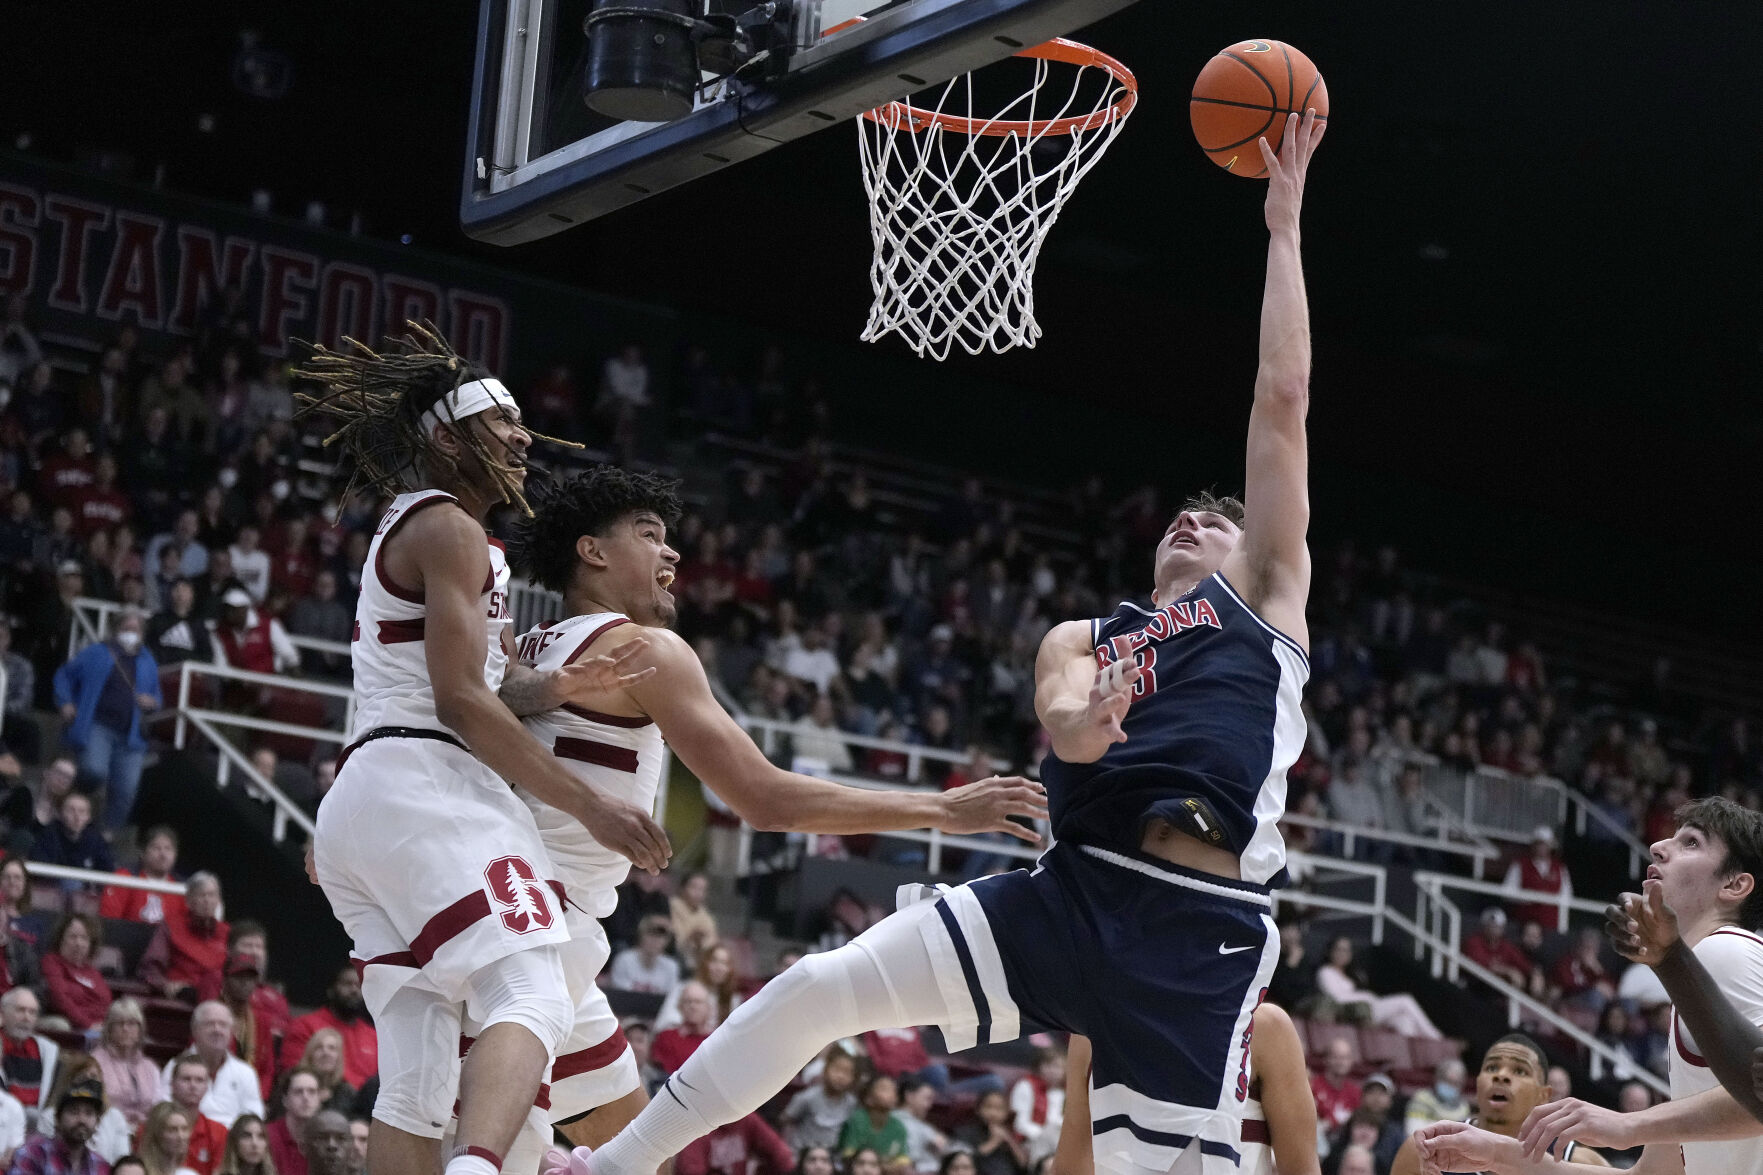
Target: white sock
[{"x": 469, "y": 1164}]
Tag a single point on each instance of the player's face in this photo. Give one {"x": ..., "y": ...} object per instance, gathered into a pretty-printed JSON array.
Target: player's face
[
  {"x": 643, "y": 565},
  {"x": 506, "y": 439},
  {"x": 1688, "y": 867},
  {"x": 1193, "y": 547},
  {"x": 1508, "y": 1087}
]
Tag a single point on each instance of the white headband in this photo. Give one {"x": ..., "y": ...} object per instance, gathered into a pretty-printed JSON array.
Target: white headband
[{"x": 468, "y": 399}]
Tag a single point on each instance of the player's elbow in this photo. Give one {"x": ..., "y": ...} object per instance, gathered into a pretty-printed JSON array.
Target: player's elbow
[
  {"x": 1287, "y": 388},
  {"x": 458, "y": 708}
]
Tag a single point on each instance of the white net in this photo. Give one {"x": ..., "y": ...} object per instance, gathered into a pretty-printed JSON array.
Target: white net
[{"x": 961, "y": 202}]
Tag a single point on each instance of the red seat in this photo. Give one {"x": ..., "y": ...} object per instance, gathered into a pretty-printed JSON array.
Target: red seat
[
  {"x": 1323, "y": 1035},
  {"x": 1385, "y": 1050},
  {"x": 1428, "y": 1053}
]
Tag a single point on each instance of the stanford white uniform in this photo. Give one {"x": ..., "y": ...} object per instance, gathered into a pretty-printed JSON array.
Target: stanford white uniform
[
  {"x": 428, "y": 859},
  {"x": 1734, "y": 958},
  {"x": 617, "y": 756}
]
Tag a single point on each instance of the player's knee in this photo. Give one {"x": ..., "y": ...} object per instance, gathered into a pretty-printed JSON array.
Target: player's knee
[
  {"x": 817, "y": 991},
  {"x": 412, "y": 1103},
  {"x": 526, "y": 988}
]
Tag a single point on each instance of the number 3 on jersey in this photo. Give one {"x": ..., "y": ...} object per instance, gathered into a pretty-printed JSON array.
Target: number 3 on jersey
[{"x": 1143, "y": 652}]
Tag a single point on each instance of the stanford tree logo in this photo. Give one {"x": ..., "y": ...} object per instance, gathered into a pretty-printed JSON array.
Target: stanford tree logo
[{"x": 520, "y": 894}]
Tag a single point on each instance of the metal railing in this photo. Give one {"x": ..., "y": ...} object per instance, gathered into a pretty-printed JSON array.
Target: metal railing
[
  {"x": 1432, "y": 887},
  {"x": 94, "y": 877},
  {"x": 1499, "y": 805},
  {"x": 770, "y": 732},
  {"x": 93, "y": 618},
  {"x": 1478, "y": 851}
]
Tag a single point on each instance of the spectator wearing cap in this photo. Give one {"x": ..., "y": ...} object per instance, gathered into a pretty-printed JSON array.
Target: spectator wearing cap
[
  {"x": 248, "y": 938},
  {"x": 111, "y": 1139},
  {"x": 345, "y": 1012},
  {"x": 1377, "y": 1101},
  {"x": 72, "y": 839},
  {"x": 189, "y": 950},
  {"x": 253, "y": 639},
  {"x": 1542, "y": 871},
  {"x": 104, "y": 693},
  {"x": 252, "y": 1039},
  {"x": 77, "y": 991},
  {"x": 27, "y": 1066},
  {"x": 67, "y": 1150},
  {"x": 232, "y": 1084},
  {"x": 159, "y": 859},
  {"x": 19, "y": 725},
  {"x": 647, "y": 967},
  {"x": 1490, "y": 947}
]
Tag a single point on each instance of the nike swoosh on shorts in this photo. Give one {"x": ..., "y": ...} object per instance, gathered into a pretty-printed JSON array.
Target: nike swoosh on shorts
[{"x": 1224, "y": 950}]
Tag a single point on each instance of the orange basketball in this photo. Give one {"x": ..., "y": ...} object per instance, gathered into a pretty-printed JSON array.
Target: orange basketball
[{"x": 1246, "y": 92}]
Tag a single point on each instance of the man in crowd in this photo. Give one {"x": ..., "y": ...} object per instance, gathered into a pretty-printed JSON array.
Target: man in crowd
[
  {"x": 321, "y": 614},
  {"x": 345, "y": 1011},
  {"x": 159, "y": 858},
  {"x": 253, "y": 1041},
  {"x": 328, "y": 1146},
  {"x": 72, "y": 840},
  {"x": 300, "y": 1101},
  {"x": 105, "y": 692},
  {"x": 28, "y": 1067},
  {"x": 232, "y": 1084},
  {"x": 673, "y": 1045},
  {"x": 177, "y": 634},
  {"x": 189, "y": 950},
  {"x": 249, "y": 939},
  {"x": 1540, "y": 872},
  {"x": 1337, "y": 1094},
  {"x": 1490, "y": 947},
  {"x": 65, "y": 1152},
  {"x": 1443, "y": 1101},
  {"x": 189, "y": 1086}
]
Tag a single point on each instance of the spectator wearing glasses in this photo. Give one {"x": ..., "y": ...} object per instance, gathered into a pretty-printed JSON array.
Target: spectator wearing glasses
[{"x": 647, "y": 967}]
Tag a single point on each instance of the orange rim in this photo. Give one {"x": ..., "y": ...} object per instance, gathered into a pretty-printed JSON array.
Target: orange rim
[{"x": 903, "y": 114}]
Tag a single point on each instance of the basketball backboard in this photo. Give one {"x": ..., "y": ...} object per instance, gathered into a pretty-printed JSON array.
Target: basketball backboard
[{"x": 538, "y": 160}]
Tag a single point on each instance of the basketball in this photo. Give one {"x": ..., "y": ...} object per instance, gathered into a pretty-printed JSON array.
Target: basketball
[{"x": 1245, "y": 92}]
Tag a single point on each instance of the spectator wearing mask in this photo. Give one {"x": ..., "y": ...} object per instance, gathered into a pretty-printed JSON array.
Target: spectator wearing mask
[
  {"x": 189, "y": 1085},
  {"x": 1442, "y": 1101},
  {"x": 187, "y": 954},
  {"x": 29, "y": 1062},
  {"x": 77, "y": 991},
  {"x": 232, "y": 1084},
  {"x": 105, "y": 692},
  {"x": 73, "y": 840},
  {"x": 645, "y": 967},
  {"x": 159, "y": 858},
  {"x": 64, "y": 1146},
  {"x": 346, "y": 1013},
  {"x": 816, "y": 1115},
  {"x": 131, "y": 1079},
  {"x": 301, "y": 1099}
]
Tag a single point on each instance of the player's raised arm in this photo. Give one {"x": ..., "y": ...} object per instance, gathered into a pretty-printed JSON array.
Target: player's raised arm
[
  {"x": 677, "y": 696},
  {"x": 1271, "y": 565},
  {"x": 1081, "y": 705},
  {"x": 448, "y": 551}
]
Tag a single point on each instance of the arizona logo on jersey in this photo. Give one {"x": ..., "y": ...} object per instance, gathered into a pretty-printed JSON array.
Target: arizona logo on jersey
[{"x": 518, "y": 890}]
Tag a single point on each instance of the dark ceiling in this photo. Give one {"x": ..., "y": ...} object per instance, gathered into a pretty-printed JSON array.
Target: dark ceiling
[{"x": 1532, "y": 239}]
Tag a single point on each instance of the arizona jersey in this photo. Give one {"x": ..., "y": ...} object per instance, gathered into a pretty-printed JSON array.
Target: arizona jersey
[
  {"x": 1214, "y": 724},
  {"x": 389, "y": 652},
  {"x": 615, "y": 754},
  {"x": 1734, "y": 958}
]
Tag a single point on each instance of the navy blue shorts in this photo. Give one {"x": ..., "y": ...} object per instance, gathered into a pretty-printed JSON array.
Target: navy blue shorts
[{"x": 1161, "y": 967}]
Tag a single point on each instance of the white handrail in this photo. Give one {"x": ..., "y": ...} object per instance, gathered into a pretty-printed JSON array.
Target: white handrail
[
  {"x": 95, "y": 877},
  {"x": 1534, "y": 897},
  {"x": 92, "y": 617},
  {"x": 277, "y": 680},
  {"x": 1352, "y": 833},
  {"x": 1637, "y": 851},
  {"x": 286, "y": 810}
]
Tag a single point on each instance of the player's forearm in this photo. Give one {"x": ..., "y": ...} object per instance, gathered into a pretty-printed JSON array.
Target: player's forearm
[
  {"x": 1074, "y": 735},
  {"x": 1727, "y": 1040},
  {"x": 526, "y": 691},
  {"x": 1285, "y": 320},
  {"x": 498, "y": 739},
  {"x": 801, "y": 803},
  {"x": 1711, "y": 1116}
]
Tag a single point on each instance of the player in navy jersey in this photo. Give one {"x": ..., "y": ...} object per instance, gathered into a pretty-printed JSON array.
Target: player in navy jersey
[{"x": 1145, "y": 927}]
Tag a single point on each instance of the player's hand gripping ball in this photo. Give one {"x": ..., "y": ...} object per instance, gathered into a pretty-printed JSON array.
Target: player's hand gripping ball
[{"x": 1246, "y": 92}]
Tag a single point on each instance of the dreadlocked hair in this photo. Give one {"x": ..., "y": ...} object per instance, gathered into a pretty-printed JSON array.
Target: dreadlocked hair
[
  {"x": 589, "y": 502},
  {"x": 378, "y": 400}
]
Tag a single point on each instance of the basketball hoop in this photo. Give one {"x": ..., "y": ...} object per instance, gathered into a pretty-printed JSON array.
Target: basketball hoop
[{"x": 960, "y": 202}]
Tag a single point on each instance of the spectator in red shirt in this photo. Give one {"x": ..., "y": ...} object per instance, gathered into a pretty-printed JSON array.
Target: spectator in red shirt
[
  {"x": 249, "y": 938},
  {"x": 1492, "y": 949},
  {"x": 1580, "y": 973},
  {"x": 187, "y": 954},
  {"x": 159, "y": 858},
  {"x": 1337, "y": 1094},
  {"x": 66, "y": 473},
  {"x": 253, "y": 1042},
  {"x": 189, "y": 1085},
  {"x": 344, "y": 1011},
  {"x": 100, "y": 506},
  {"x": 76, "y": 989},
  {"x": 300, "y": 1101},
  {"x": 696, "y": 1012},
  {"x": 899, "y": 1053},
  {"x": 1541, "y": 871},
  {"x": 746, "y": 1146}
]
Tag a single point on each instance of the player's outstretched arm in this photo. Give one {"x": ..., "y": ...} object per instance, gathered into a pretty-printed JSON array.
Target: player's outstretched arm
[
  {"x": 1271, "y": 564},
  {"x": 1458, "y": 1146},
  {"x": 447, "y": 549},
  {"x": 526, "y": 690},
  {"x": 1710, "y": 1116},
  {"x": 1644, "y": 929},
  {"x": 677, "y": 696},
  {"x": 1277, "y": 1056},
  {"x": 1081, "y": 705}
]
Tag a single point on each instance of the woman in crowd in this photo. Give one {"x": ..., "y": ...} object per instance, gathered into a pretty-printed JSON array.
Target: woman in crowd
[
  {"x": 77, "y": 990},
  {"x": 15, "y": 898},
  {"x": 247, "y": 1148},
  {"x": 996, "y": 1149},
  {"x": 816, "y": 1160},
  {"x": 324, "y": 1056},
  {"x": 1342, "y": 982},
  {"x": 111, "y": 1140},
  {"x": 165, "y": 1140},
  {"x": 131, "y": 1079},
  {"x": 958, "y": 1163},
  {"x": 716, "y": 971},
  {"x": 864, "y": 1162}
]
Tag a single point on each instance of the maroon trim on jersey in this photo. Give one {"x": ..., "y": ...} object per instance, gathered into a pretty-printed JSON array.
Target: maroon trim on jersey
[
  {"x": 449, "y": 924},
  {"x": 408, "y": 595},
  {"x": 557, "y": 888},
  {"x": 587, "y": 750},
  {"x": 623, "y": 720},
  {"x": 401, "y": 632},
  {"x": 591, "y": 1058},
  {"x": 594, "y": 636},
  {"x": 497, "y": 543},
  {"x": 1255, "y": 1130},
  {"x": 395, "y": 959},
  {"x": 1682, "y": 1049},
  {"x": 355, "y": 633}
]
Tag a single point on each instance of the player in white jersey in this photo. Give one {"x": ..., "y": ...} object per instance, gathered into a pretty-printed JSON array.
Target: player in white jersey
[
  {"x": 432, "y": 865},
  {"x": 1279, "y": 1113},
  {"x": 1708, "y": 873},
  {"x": 600, "y": 539}
]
